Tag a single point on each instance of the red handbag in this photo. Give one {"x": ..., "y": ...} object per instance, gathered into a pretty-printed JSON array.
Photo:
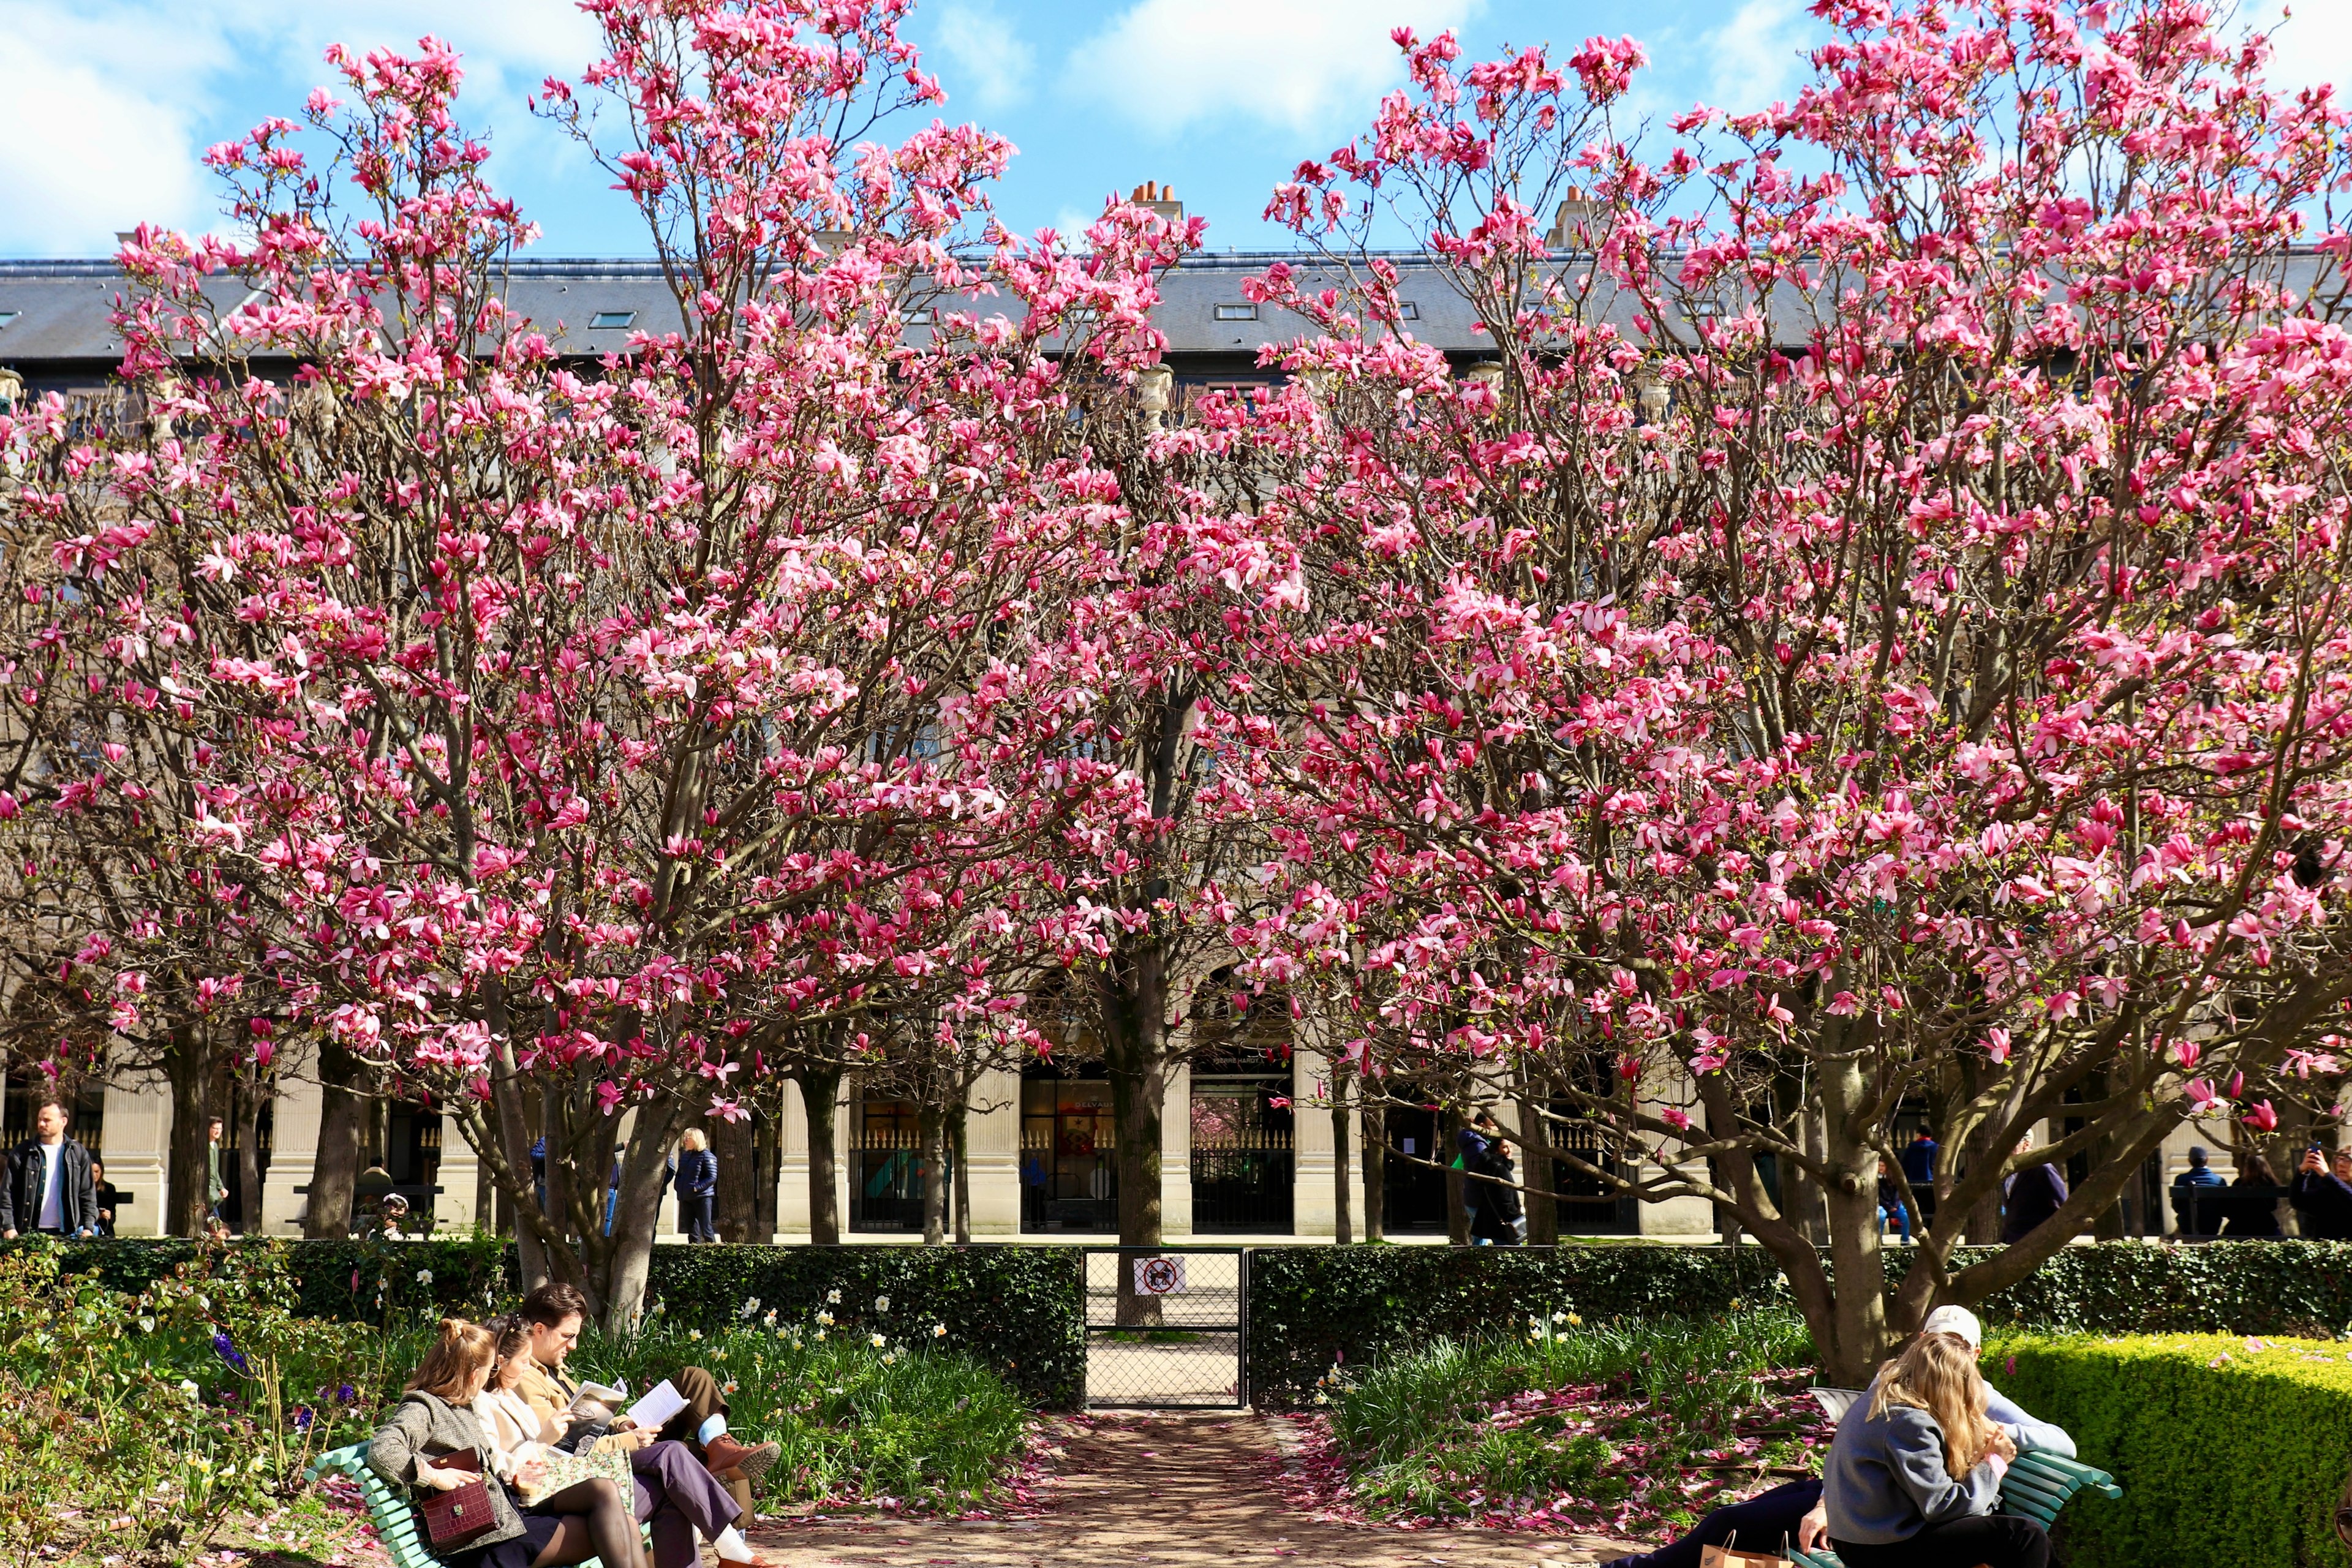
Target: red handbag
[{"x": 459, "y": 1517}]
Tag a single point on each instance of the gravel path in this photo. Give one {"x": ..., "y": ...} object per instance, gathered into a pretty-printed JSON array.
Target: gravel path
[{"x": 1159, "y": 1491}]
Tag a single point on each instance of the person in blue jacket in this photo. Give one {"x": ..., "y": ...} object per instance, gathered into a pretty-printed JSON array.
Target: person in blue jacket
[
  {"x": 1796, "y": 1513},
  {"x": 698, "y": 1186}
]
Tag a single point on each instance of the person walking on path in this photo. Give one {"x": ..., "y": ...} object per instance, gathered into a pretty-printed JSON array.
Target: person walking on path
[
  {"x": 698, "y": 1186},
  {"x": 2030, "y": 1197},
  {"x": 216, "y": 1186},
  {"x": 48, "y": 1187},
  {"x": 2323, "y": 1197},
  {"x": 2251, "y": 1203},
  {"x": 2196, "y": 1201}
]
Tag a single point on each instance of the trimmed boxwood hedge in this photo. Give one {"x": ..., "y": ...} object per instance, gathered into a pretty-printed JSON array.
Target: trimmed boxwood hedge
[
  {"x": 2227, "y": 1453},
  {"x": 1020, "y": 1310},
  {"x": 1311, "y": 1307}
]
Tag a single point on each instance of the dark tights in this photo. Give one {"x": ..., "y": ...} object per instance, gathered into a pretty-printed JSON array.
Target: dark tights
[{"x": 600, "y": 1526}]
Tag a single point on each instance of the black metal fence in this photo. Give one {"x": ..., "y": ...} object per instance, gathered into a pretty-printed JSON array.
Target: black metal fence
[{"x": 1167, "y": 1328}]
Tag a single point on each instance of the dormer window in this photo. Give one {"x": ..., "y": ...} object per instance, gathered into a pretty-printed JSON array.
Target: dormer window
[
  {"x": 1235, "y": 313},
  {"x": 8, "y": 316},
  {"x": 611, "y": 320},
  {"x": 1408, "y": 312}
]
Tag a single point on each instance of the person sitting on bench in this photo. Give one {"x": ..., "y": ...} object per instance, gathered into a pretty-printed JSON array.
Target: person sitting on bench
[
  {"x": 672, "y": 1488},
  {"x": 432, "y": 1421},
  {"x": 1914, "y": 1474},
  {"x": 554, "y": 1314},
  {"x": 1794, "y": 1511}
]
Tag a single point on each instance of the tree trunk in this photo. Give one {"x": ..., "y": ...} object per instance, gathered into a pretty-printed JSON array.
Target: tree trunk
[
  {"x": 1859, "y": 1336},
  {"x": 767, "y": 1159},
  {"x": 327, "y": 1214},
  {"x": 253, "y": 1091},
  {"x": 188, "y": 1069},
  {"x": 1376, "y": 1170},
  {"x": 736, "y": 1145},
  {"x": 820, "y": 1095},
  {"x": 1457, "y": 1197},
  {"x": 1341, "y": 1228},
  {"x": 1135, "y": 1050},
  {"x": 959, "y": 1167},
  {"x": 621, "y": 1264},
  {"x": 1537, "y": 1172},
  {"x": 931, "y": 1132}
]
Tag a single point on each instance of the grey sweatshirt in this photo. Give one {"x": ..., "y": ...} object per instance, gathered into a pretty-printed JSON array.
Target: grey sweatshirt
[{"x": 1886, "y": 1479}]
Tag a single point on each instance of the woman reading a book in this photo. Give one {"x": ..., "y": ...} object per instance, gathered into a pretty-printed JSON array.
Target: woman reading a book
[
  {"x": 434, "y": 1442},
  {"x": 675, "y": 1491}
]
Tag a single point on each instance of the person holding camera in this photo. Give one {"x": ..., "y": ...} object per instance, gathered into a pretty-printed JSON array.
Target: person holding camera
[{"x": 2323, "y": 1195}]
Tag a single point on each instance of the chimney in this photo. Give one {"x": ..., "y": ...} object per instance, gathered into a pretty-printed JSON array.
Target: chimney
[
  {"x": 1158, "y": 198},
  {"x": 1573, "y": 211}
]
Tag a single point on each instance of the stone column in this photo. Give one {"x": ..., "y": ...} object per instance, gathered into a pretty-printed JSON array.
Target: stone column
[
  {"x": 1313, "y": 1203},
  {"x": 1673, "y": 1216},
  {"x": 460, "y": 1180},
  {"x": 792, "y": 1168},
  {"x": 1176, "y": 1157},
  {"x": 293, "y": 1154},
  {"x": 136, "y": 1152},
  {"x": 992, "y": 1138}
]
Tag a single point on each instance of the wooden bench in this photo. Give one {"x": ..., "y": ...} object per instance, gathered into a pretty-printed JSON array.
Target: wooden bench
[
  {"x": 2036, "y": 1486},
  {"x": 396, "y": 1524}
]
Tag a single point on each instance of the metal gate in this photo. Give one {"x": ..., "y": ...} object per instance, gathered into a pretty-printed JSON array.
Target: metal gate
[{"x": 1167, "y": 1328}]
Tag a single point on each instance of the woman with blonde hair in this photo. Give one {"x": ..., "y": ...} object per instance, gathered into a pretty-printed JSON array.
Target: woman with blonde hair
[
  {"x": 698, "y": 1186},
  {"x": 1914, "y": 1474},
  {"x": 434, "y": 1420}
]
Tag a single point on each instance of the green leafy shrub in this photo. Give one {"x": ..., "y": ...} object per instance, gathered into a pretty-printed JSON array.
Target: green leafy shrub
[
  {"x": 2229, "y": 1450},
  {"x": 914, "y": 1419},
  {"x": 1312, "y": 1308},
  {"x": 1020, "y": 1310}
]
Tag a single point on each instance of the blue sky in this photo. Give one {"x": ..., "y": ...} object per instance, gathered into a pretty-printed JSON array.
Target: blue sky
[{"x": 112, "y": 101}]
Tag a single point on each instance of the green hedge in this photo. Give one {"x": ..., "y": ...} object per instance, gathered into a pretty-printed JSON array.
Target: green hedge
[
  {"x": 1313, "y": 1306},
  {"x": 1310, "y": 1306},
  {"x": 2226, "y": 1454},
  {"x": 1021, "y": 1310}
]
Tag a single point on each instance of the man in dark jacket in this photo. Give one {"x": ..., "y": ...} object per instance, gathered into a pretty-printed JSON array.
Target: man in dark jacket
[
  {"x": 2322, "y": 1199},
  {"x": 2197, "y": 1196},
  {"x": 47, "y": 1185}
]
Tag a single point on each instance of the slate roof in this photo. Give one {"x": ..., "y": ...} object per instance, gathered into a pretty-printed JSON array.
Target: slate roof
[{"x": 60, "y": 324}]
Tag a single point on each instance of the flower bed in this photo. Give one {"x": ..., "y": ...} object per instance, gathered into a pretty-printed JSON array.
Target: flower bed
[{"x": 1633, "y": 1433}]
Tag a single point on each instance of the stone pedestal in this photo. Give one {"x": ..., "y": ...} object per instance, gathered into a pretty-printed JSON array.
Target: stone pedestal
[
  {"x": 991, "y": 1139},
  {"x": 1176, "y": 1158},
  {"x": 1314, "y": 1203}
]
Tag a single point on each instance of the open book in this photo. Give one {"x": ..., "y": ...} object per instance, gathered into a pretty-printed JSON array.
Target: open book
[{"x": 596, "y": 1401}]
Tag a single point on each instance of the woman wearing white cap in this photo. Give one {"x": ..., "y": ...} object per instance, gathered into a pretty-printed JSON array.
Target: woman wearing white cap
[
  {"x": 1797, "y": 1512},
  {"x": 1914, "y": 1472}
]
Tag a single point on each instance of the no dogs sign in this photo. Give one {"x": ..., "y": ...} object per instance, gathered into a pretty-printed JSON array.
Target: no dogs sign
[{"x": 1159, "y": 1277}]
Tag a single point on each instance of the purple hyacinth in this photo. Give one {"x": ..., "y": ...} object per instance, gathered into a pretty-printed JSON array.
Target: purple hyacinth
[{"x": 227, "y": 1350}]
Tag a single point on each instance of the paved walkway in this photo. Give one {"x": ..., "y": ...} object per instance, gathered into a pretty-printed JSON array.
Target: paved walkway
[{"x": 1160, "y": 1491}]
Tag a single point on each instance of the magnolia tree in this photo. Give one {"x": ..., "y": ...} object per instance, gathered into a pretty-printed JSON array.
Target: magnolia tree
[
  {"x": 610, "y": 740},
  {"x": 1876, "y": 638}
]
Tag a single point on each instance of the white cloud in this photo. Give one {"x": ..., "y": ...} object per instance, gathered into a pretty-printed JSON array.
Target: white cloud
[
  {"x": 984, "y": 54},
  {"x": 111, "y": 105},
  {"x": 1756, "y": 56},
  {"x": 1302, "y": 65},
  {"x": 2313, "y": 46}
]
